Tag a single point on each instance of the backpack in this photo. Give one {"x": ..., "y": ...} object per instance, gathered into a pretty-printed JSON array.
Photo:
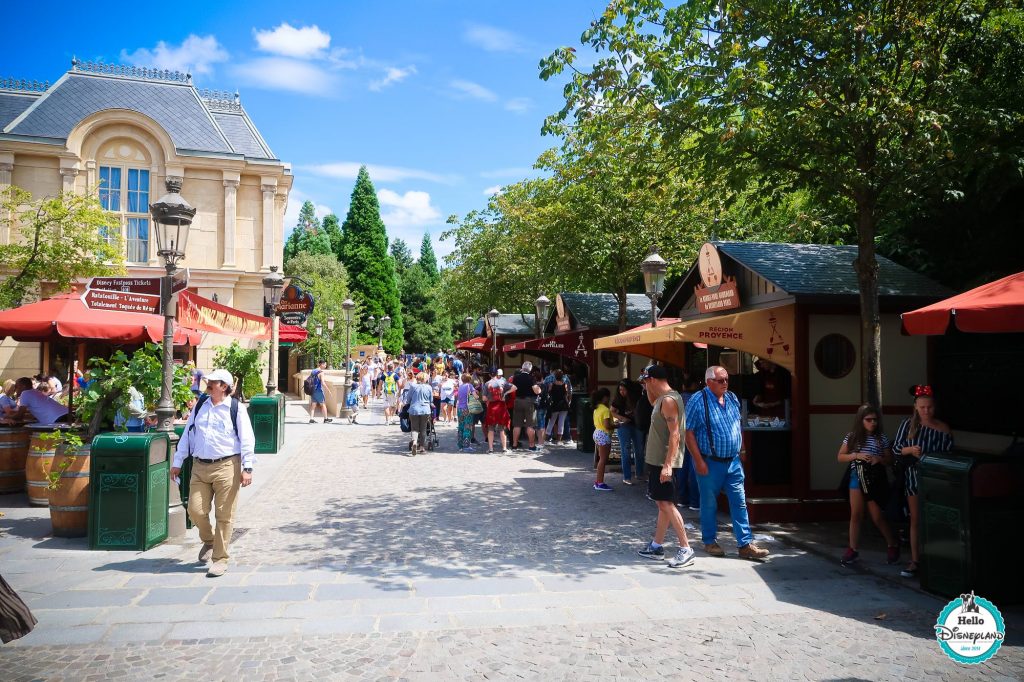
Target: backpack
[
  {"x": 309, "y": 385},
  {"x": 390, "y": 385},
  {"x": 195, "y": 413}
]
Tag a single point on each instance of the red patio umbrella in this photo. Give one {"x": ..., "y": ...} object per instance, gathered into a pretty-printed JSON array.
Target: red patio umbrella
[
  {"x": 65, "y": 316},
  {"x": 477, "y": 343},
  {"x": 996, "y": 307}
]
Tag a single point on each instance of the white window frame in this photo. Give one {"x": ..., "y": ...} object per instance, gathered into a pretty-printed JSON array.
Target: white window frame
[{"x": 124, "y": 215}]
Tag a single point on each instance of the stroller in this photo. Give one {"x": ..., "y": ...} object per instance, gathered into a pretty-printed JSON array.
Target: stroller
[{"x": 352, "y": 402}]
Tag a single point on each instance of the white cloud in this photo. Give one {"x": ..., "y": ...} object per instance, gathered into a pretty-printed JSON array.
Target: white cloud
[
  {"x": 493, "y": 39},
  {"x": 280, "y": 73},
  {"x": 348, "y": 170},
  {"x": 519, "y": 105},
  {"x": 474, "y": 90},
  {"x": 196, "y": 54},
  {"x": 492, "y": 190},
  {"x": 517, "y": 173},
  {"x": 412, "y": 209},
  {"x": 392, "y": 75},
  {"x": 307, "y": 42}
]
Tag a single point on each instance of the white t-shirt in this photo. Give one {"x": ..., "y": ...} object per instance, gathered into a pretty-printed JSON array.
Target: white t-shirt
[
  {"x": 447, "y": 389},
  {"x": 45, "y": 409}
]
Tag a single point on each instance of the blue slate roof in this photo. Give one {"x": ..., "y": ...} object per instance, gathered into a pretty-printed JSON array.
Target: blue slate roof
[
  {"x": 193, "y": 123},
  {"x": 12, "y": 104},
  {"x": 826, "y": 270},
  {"x": 602, "y": 310}
]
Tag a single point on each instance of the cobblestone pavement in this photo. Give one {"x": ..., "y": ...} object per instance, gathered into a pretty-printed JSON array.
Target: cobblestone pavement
[{"x": 355, "y": 561}]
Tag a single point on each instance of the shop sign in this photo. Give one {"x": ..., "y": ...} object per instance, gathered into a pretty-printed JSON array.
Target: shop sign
[
  {"x": 719, "y": 292},
  {"x": 97, "y": 299},
  {"x": 295, "y": 305},
  {"x": 149, "y": 286}
]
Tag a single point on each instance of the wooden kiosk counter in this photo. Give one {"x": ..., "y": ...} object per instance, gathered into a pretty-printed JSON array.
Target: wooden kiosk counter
[{"x": 784, "y": 319}]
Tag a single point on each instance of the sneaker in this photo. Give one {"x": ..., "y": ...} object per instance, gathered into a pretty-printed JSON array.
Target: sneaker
[
  {"x": 627, "y": 481},
  {"x": 533, "y": 449},
  {"x": 692, "y": 508},
  {"x": 205, "y": 552},
  {"x": 910, "y": 571},
  {"x": 328, "y": 421},
  {"x": 217, "y": 569},
  {"x": 753, "y": 552},
  {"x": 651, "y": 553},
  {"x": 569, "y": 443},
  {"x": 604, "y": 487},
  {"x": 683, "y": 557},
  {"x": 312, "y": 421},
  {"x": 714, "y": 549},
  {"x": 849, "y": 556},
  {"x": 892, "y": 555}
]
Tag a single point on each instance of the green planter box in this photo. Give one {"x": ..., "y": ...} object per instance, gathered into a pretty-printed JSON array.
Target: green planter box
[
  {"x": 266, "y": 412},
  {"x": 128, "y": 496}
]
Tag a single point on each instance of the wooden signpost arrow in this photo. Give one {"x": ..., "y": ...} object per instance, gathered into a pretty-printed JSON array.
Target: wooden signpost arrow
[{"x": 98, "y": 299}]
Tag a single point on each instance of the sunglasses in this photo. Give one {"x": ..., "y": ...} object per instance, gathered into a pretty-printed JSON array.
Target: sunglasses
[
  {"x": 720, "y": 381},
  {"x": 870, "y": 419}
]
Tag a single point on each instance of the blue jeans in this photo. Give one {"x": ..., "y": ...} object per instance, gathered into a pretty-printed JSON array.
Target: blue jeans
[
  {"x": 542, "y": 418},
  {"x": 627, "y": 441},
  {"x": 727, "y": 477},
  {"x": 686, "y": 483},
  {"x": 640, "y": 446}
]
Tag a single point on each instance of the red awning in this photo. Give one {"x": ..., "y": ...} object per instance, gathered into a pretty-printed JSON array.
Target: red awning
[
  {"x": 290, "y": 333},
  {"x": 997, "y": 307},
  {"x": 66, "y": 316},
  {"x": 481, "y": 343},
  {"x": 197, "y": 312}
]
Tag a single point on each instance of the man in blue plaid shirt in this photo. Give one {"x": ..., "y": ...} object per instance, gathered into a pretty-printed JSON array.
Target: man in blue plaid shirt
[{"x": 714, "y": 438}]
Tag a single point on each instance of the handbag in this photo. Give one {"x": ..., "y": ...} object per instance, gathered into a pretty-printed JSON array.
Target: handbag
[{"x": 474, "y": 405}]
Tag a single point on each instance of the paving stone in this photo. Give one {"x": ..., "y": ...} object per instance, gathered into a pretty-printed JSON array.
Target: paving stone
[
  {"x": 248, "y": 628},
  {"x": 174, "y": 595},
  {"x": 137, "y": 632},
  {"x": 330, "y": 626},
  {"x": 456, "y": 588},
  {"x": 289, "y": 593},
  {"x": 344, "y": 591},
  {"x": 76, "y": 599}
]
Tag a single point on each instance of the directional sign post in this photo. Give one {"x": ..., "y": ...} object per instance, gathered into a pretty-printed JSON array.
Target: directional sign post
[
  {"x": 118, "y": 301},
  {"x": 149, "y": 286}
]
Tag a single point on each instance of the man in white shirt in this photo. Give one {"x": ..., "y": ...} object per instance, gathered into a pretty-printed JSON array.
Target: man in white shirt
[
  {"x": 45, "y": 409},
  {"x": 223, "y": 460}
]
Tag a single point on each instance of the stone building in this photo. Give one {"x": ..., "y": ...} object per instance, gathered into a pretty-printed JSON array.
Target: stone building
[{"x": 129, "y": 130}]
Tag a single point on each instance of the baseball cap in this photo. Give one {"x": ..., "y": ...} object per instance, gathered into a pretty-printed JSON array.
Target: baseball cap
[
  {"x": 221, "y": 375},
  {"x": 500, "y": 373},
  {"x": 654, "y": 372}
]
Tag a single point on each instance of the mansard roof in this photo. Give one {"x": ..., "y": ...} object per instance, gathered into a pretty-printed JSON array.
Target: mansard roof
[{"x": 198, "y": 121}]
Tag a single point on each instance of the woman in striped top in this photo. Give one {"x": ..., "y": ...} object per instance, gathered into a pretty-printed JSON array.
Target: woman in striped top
[
  {"x": 868, "y": 453},
  {"x": 920, "y": 435}
]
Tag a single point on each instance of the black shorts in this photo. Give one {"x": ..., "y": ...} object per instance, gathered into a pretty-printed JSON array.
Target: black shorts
[{"x": 660, "y": 492}]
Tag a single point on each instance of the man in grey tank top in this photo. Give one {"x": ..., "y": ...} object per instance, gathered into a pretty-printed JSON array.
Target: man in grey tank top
[{"x": 664, "y": 458}]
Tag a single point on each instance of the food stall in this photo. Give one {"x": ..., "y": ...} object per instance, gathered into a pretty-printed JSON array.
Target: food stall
[{"x": 784, "y": 319}]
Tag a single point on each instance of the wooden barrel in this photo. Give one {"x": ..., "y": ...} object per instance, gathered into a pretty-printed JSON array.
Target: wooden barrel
[
  {"x": 69, "y": 501},
  {"x": 13, "y": 452},
  {"x": 37, "y": 468}
]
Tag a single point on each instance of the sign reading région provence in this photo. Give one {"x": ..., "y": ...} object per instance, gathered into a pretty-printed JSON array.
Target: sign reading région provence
[{"x": 718, "y": 293}]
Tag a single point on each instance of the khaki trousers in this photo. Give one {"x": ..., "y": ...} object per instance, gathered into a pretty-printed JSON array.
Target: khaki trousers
[{"x": 215, "y": 485}]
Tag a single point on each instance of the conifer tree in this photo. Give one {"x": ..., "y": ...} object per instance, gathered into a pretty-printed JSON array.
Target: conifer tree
[
  {"x": 402, "y": 256},
  {"x": 365, "y": 255},
  {"x": 298, "y": 240},
  {"x": 332, "y": 228},
  {"x": 428, "y": 261}
]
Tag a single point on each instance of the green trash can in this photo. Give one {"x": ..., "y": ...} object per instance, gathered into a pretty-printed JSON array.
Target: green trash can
[
  {"x": 968, "y": 503},
  {"x": 584, "y": 423},
  {"x": 266, "y": 412},
  {"x": 128, "y": 496}
]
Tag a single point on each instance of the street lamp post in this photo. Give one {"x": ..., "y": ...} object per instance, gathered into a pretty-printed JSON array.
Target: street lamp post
[
  {"x": 273, "y": 286},
  {"x": 172, "y": 216},
  {"x": 319, "y": 348},
  {"x": 468, "y": 324},
  {"x": 654, "y": 268},
  {"x": 385, "y": 325},
  {"x": 347, "y": 306},
  {"x": 330, "y": 340},
  {"x": 542, "y": 304},
  {"x": 492, "y": 318}
]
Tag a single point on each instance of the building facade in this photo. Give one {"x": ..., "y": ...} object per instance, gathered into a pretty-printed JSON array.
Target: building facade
[{"x": 123, "y": 132}]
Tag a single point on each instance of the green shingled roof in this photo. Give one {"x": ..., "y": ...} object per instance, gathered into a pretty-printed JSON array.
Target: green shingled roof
[{"x": 602, "y": 310}]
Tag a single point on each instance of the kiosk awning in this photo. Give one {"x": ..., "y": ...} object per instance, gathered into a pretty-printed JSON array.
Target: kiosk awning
[
  {"x": 481, "y": 343},
  {"x": 576, "y": 344},
  {"x": 767, "y": 333}
]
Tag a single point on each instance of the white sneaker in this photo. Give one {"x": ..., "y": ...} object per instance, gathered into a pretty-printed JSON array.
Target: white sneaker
[{"x": 683, "y": 557}]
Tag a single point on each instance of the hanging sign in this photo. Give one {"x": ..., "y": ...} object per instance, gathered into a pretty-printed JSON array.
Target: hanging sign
[
  {"x": 719, "y": 292},
  {"x": 97, "y": 299},
  {"x": 130, "y": 285},
  {"x": 295, "y": 305}
]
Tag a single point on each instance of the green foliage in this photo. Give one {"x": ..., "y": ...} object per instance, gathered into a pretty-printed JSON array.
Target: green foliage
[
  {"x": 428, "y": 261},
  {"x": 308, "y": 235},
  {"x": 332, "y": 228},
  {"x": 328, "y": 282},
  {"x": 365, "y": 255},
  {"x": 245, "y": 364},
  {"x": 402, "y": 257},
  {"x": 427, "y": 326},
  {"x": 56, "y": 240}
]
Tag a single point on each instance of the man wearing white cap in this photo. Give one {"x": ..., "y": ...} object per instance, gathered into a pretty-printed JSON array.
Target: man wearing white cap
[{"x": 218, "y": 435}]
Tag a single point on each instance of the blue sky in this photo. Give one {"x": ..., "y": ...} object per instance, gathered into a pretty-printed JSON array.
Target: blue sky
[{"x": 442, "y": 100}]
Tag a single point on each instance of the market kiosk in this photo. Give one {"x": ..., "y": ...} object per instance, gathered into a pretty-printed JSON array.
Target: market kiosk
[{"x": 784, "y": 320}]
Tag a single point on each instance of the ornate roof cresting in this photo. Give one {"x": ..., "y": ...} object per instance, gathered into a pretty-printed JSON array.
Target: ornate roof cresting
[
  {"x": 24, "y": 85},
  {"x": 221, "y": 100},
  {"x": 123, "y": 70}
]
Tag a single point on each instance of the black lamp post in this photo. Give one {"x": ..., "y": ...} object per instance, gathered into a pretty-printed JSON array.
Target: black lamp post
[
  {"x": 347, "y": 307},
  {"x": 385, "y": 324},
  {"x": 468, "y": 324},
  {"x": 492, "y": 318},
  {"x": 273, "y": 287},
  {"x": 172, "y": 216},
  {"x": 654, "y": 267},
  {"x": 542, "y": 304},
  {"x": 319, "y": 329}
]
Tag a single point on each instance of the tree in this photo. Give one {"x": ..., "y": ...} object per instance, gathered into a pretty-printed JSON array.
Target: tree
[
  {"x": 852, "y": 103},
  {"x": 427, "y": 327},
  {"x": 365, "y": 255},
  {"x": 332, "y": 228},
  {"x": 402, "y": 257},
  {"x": 56, "y": 239},
  {"x": 428, "y": 261},
  {"x": 328, "y": 283},
  {"x": 307, "y": 235}
]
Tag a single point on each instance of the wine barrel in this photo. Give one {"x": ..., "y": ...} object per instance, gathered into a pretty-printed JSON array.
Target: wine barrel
[
  {"x": 69, "y": 501},
  {"x": 37, "y": 468},
  {"x": 13, "y": 453}
]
